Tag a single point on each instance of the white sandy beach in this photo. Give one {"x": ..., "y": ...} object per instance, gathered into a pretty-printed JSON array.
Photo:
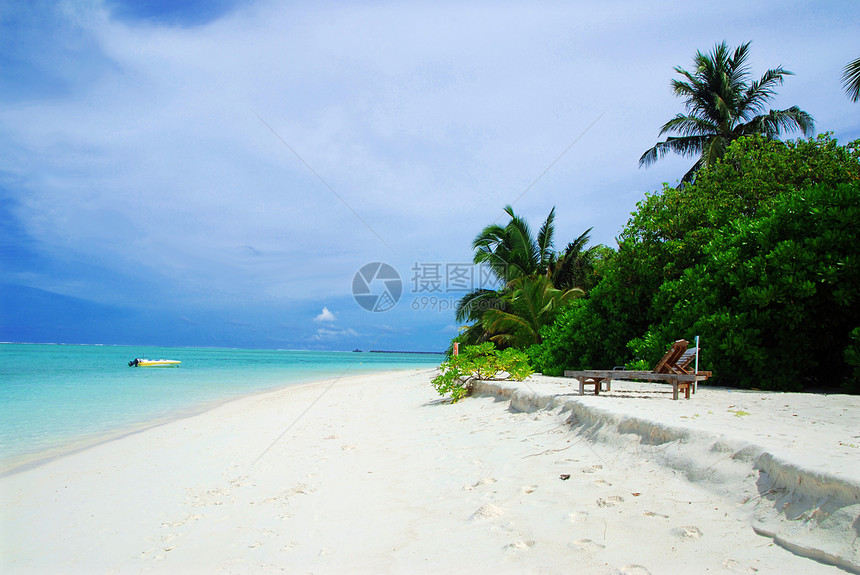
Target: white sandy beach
[{"x": 374, "y": 474}]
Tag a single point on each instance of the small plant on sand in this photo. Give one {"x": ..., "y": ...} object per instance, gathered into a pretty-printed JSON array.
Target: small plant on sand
[{"x": 482, "y": 361}]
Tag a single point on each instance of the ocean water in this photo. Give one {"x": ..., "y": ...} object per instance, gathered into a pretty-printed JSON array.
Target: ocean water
[{"x": 58, "y": 398}]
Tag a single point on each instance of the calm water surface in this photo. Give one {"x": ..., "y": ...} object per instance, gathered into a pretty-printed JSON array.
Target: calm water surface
[{"x": 55, "y": 398}]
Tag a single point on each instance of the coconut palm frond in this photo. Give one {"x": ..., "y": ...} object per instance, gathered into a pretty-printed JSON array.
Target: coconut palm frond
[
  {"x": 722, "y": 105},
  {"x": 851, "y": 79}
]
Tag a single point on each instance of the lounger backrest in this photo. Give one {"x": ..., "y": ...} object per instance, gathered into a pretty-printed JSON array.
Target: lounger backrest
[
  {"x": 669, "y": 362},
  {"x": 685, "y": 360}
]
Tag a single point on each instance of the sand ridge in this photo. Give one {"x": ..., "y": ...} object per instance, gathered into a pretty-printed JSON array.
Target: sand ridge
[{"x": 799, "y": 479}]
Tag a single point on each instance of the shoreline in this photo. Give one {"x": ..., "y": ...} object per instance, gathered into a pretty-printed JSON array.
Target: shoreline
[
  {"x": 377, "y": 473},
  {"x": 18, "y": 463}
]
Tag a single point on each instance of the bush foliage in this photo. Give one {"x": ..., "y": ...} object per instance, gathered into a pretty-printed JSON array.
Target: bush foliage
[
  {"x": 777, "y": 296},
  {"x": 759, "y": 256},
  {"x": 479, "y": 362}
]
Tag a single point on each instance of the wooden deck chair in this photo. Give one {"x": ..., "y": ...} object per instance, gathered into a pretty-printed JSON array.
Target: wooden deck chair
[
  {"x": 669, "y": 363},
  {"x": 685, "y": 360},
  {"x": 673, "y": 368},
  {"x": 683, "y": 365}
]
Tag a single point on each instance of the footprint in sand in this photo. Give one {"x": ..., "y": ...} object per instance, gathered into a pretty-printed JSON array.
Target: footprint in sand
[
  {"x": 192, "y": 517},
  {"x": 484, "y": 481},
  {"x": 488, "y": 511},
  {"x": 610, "y": 501},
  {"x": 240, "y": 481},
  {"x": 299, "y": 489},
  {"x": 733, "y": 565},
  {"x": 528, "y": 489},
  {"x": 586, "y": 545},
  {"x": 688, "y": 532},
  {"x": 578, "y": 517},
  {"x": 602, "y": 483},
  {"x": 207, "y": 498},
  {"x": 592, "y": 469},
  {"x": 634, "y": 570},
  {"x": 520, "y": 545},
  {"x": 653, "y": 514}
]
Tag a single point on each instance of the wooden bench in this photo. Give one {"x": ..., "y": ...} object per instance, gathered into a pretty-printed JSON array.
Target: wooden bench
[
  {"x": 672, "y": 369},
  {"x": 679, "y": 382}
]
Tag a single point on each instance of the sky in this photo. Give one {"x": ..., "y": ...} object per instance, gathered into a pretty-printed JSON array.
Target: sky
[{"x": 232, "y": 174}]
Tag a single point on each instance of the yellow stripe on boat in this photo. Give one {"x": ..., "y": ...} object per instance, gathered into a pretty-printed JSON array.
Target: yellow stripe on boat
[{"x": 158, "y": 363}]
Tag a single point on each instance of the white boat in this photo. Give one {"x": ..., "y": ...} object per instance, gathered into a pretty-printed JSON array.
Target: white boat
[{"x": 140, "y": 362}]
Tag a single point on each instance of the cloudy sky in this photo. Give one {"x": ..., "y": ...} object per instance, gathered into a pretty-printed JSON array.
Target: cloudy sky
[{"x": 217, "y": 172}]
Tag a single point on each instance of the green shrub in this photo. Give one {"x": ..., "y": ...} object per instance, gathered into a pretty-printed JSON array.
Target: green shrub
[
  {"x": 759, "y": 257},
  {"x": 777, "y": 296},
  {"x": 592, "y": 332},
  {"x": 640, "y": 365},
  {"x": 479, "y": 362}
]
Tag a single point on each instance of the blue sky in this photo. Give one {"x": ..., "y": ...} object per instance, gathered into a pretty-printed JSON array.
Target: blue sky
[{"x": 215, "y": 173}]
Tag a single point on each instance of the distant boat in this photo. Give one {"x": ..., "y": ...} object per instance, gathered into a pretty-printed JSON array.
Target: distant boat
[
  {"x": 139, "y": 362},
  {"x": 356, "y": 350}
]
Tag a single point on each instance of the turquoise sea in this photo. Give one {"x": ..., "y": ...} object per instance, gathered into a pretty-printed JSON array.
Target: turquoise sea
[{"x": 55, "y": 399}]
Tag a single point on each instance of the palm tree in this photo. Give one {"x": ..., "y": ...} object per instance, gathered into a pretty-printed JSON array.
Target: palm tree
[
  {"x": 511, "y": 252},
  {"x": 533, "y": 282},
  {"x": 574, "y": 267},
  {"x": 532, "y": 303},
  {"x": 851, "y": 79},
  {"x": 471, "y": 308},
  {"x": 722, "y": 106}
]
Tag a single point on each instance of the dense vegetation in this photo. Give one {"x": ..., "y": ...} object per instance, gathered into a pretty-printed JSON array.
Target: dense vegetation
[
  {"x": 760, "y": 257},
  {"x": 758, "y": 252}
]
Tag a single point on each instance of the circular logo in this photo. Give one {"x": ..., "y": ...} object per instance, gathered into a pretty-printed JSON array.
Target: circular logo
[{"x": 377, "y": 287}]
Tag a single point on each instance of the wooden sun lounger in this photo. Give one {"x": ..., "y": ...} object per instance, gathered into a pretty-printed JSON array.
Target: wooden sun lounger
[
  {"x": 672, "y": 369},
  {"x": 680, "y": 382}
]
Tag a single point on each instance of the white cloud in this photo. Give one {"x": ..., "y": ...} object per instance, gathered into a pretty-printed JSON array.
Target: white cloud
[
  {"x": 424, "y": 118},
  {"x": 325, "y": 315}
]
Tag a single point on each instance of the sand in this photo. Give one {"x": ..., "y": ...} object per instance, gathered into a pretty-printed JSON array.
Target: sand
[{"x": 375, "y": 474}]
